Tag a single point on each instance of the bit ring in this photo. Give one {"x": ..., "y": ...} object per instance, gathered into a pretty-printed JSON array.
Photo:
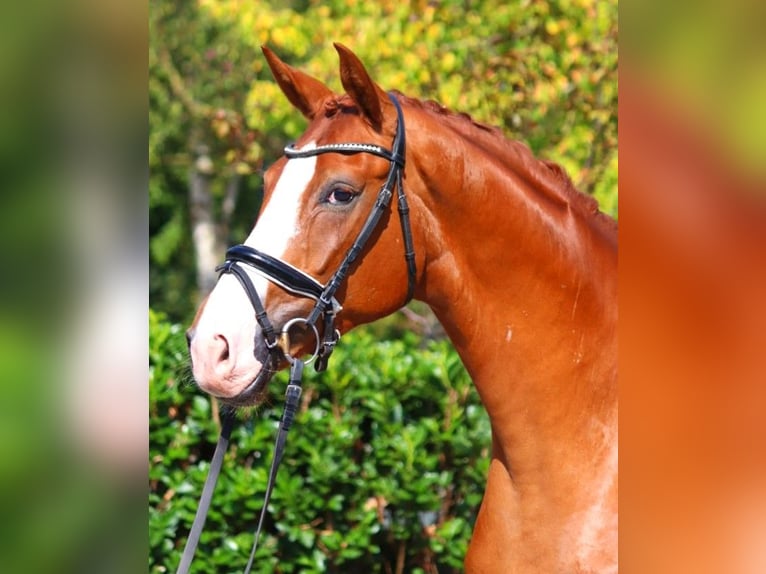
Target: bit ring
[{"x": 284, "y": 339}]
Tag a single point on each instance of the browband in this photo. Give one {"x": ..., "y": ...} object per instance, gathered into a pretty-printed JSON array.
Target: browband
[{"x": 346, "y": 148}]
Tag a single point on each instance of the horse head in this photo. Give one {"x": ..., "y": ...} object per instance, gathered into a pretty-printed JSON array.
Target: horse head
[{"x": 304, "y": 265}]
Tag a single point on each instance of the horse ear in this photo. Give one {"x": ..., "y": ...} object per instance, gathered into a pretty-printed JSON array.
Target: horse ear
[
  {"x": 304, "y": 92},
  {"x": 371, "y": 99}
]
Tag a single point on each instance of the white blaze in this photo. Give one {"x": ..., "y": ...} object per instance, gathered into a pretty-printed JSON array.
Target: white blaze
[{"x": 279, "y": 221}]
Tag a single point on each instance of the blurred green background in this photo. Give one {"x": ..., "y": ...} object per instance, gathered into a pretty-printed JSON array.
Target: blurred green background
[{"x": 384, "y": 467}]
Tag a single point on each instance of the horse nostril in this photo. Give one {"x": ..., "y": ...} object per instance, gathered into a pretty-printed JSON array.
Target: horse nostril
[
  {"x": 189, "y": 336},
  {"x": 221, "y": 341}
]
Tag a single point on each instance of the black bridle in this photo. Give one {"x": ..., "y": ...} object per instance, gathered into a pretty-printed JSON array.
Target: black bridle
[{"x": 326, "y": 307}]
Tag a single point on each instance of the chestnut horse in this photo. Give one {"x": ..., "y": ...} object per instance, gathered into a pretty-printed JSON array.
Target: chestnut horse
[{"x": 518, "y": 266}]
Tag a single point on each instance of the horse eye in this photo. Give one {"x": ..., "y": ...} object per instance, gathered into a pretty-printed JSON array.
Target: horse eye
[{"x": 340, "y": 196}]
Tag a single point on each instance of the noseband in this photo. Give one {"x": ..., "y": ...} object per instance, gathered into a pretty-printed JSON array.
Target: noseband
[
  {"x": 301, "y": 284},
  {"x": 326, "y": 306}
]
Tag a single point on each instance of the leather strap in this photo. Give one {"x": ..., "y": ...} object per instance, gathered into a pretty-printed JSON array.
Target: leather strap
[
  {"x": 292, "y": 395},
  {"x": 230, "y": 266},
  {"x": 289, "y": 278},
  {"x": 227, "y": 423},
  {"x": 346, "y": 148}
]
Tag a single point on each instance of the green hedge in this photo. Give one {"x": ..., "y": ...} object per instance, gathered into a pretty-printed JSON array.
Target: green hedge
[{"x": 383, "y": 471}]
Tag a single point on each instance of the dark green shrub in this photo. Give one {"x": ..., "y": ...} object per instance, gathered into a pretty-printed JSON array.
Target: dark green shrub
[{"x": 383, "y": 471}]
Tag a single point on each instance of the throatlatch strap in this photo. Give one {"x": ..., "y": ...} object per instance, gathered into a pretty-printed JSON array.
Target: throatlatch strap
[
  {"x": 227, "y": 423},
  {"x": 409, "y": 247}
]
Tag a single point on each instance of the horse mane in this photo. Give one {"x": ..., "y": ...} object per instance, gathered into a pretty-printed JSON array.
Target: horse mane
[{"x": 549, "y": 177}]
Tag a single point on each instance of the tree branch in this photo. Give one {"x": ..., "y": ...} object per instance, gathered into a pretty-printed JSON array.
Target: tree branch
[
  {"x": 230, "y": 199},
  {"x": 178, "y": 86}
]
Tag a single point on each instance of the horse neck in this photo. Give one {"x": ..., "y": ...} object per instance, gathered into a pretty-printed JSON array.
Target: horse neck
[{"x": 524, "y": 281}]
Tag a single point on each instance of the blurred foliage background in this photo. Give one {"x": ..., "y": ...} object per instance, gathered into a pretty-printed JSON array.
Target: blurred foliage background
[
  {"x": 386, "y": 465},
  {"x": 383, "y": 472}
]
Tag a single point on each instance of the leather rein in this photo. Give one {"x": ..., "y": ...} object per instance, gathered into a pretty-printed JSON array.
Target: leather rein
[{"x": 326, "y": 307}]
